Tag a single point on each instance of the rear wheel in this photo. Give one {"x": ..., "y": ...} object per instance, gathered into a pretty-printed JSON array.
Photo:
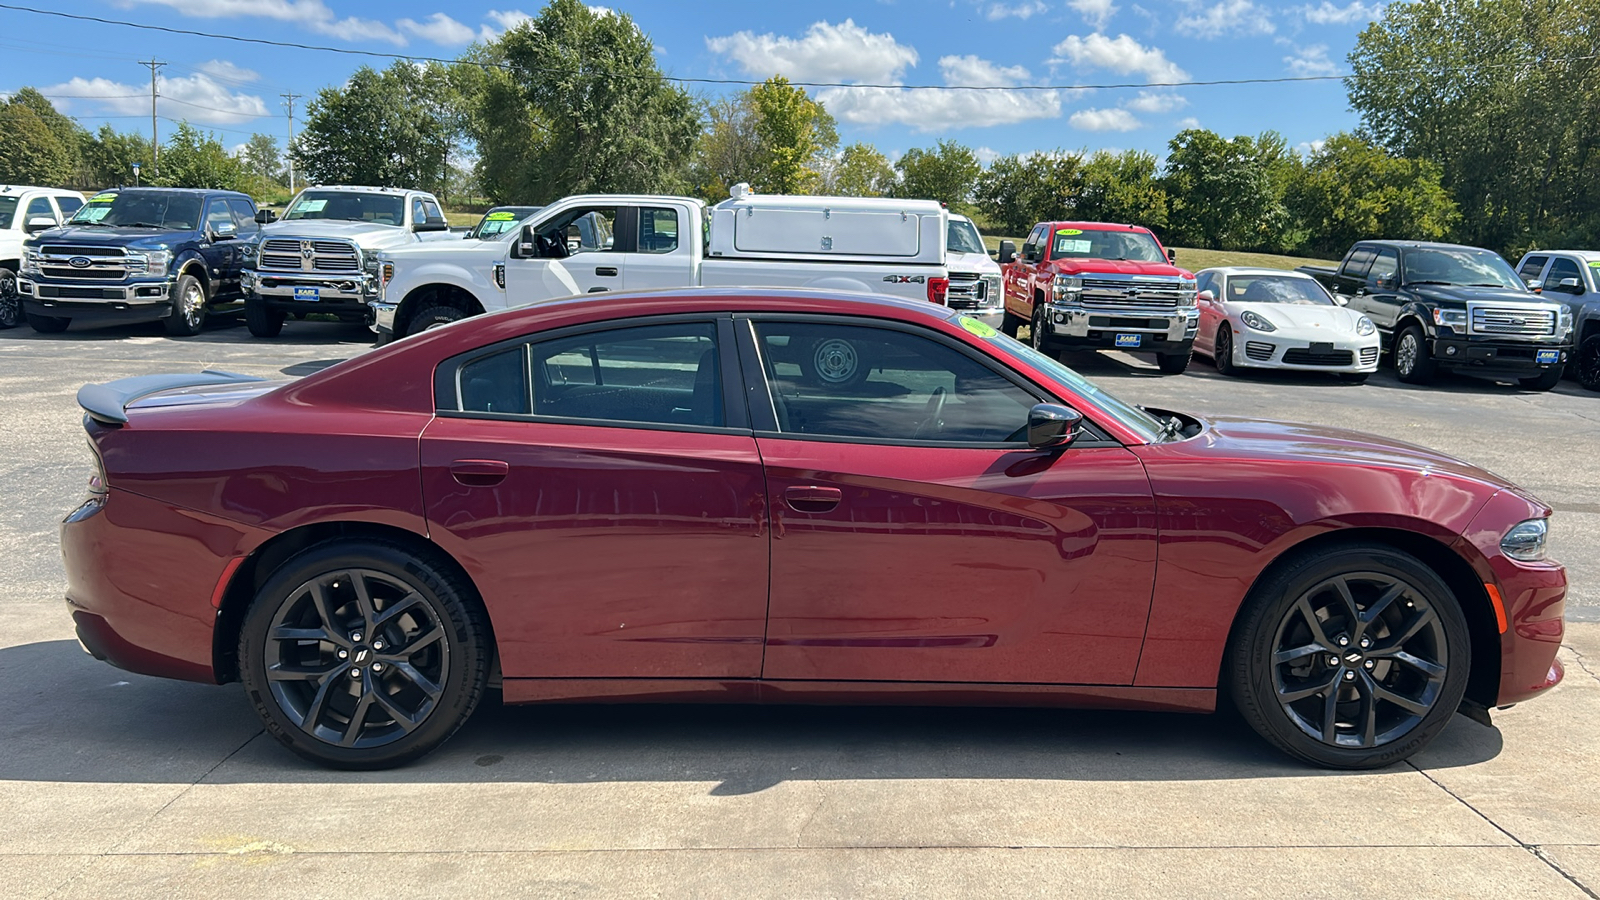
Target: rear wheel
[
  {"x": 433, "y": 317},
  {"x": 48, "y": 324},
  {"x": 1353, "y": 658},
  {"x": 1412, "y": 361},
  {"x": 1588, "y": 364},
  {"x": 262, "y": 320},
  {"x": 1544, "y": 381},
  {"x": 361, "y": 654},
  {"x": 1222, "y": 352},
  {"x": 10, "y": 300},
  {"x": 1174, "y": 363},
  {"x": 188, "y": 308}
]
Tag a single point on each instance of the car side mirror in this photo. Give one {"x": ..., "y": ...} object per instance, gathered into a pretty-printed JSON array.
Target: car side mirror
[
  {"x": 1172, "y": 255},
  {"x": 223, "y": 233},
  {"x": 265, "y": 217},
  {"x": 1384, "y": 282},
  {"x": 1341, "y": 300},
  {"x": 1051, "y": 425},
  {"x": 1205, "y": 297},
  {"x": 527, "y": 244},
  {"x": 1008, "y": 252},
  {"x": 38, "y": 224},
  {"x": 1569, "y": 285},
  {"x": 424, "y": 226}
]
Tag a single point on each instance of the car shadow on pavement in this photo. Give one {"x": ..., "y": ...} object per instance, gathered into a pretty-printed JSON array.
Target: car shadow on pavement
[
  {"x": 67, "y": 717},
  {"x": 220, "y": 328}
]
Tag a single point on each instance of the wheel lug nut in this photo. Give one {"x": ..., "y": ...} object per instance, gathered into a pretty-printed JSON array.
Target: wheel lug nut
[
  {"x": 1343, "y": 641},
  {"x": 377, "y": 667},
  {"x": 1365, "y": 643},
  {"x": 1349, "y": 676},
  {"x": 355, "y": 673},
  {"x": 344, "y": 654},
  {"x": 377, "y": 645},
  {"x": 1367, "y": 664},
  {"x": 1333, "y": 660},
  {"x": 356, "y": 638}
]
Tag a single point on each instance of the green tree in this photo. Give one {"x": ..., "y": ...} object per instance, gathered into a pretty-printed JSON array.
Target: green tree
[
  {"x": 261, "y": 159},
  {"x": 1016, "y": 192},
  {"x": 1222, "y": 194},
  {"x": 792, "y": 128},
  {"x": 860, "y": 171},
  {"x": 195, "y": 160},
  {"x": 1353, "y": 190},
  {"x": 1122, "y": 187},
  {"x": 729, "y": 151},
  {"x": 389, "y": 129},
  {"x": 948, "y": 172},
  {"x": 30, "y": 153},
  {"x": 68, "y": 133},
  {"x": 109, "y": 155}
]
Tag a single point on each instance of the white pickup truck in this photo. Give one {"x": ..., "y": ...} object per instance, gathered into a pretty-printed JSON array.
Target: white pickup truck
[
  {"x": 24, "y": 212},
  {"x": 609, "y": 242}
]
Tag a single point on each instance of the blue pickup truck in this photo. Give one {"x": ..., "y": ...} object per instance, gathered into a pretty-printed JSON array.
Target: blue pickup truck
[{"x": 139, "y": 254}]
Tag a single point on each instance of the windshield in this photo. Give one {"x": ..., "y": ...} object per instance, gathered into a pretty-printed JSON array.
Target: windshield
[
  {"x": 500, "y": 221},
  {"x": 1277, "y": 289},
  {"x": 963, "y": 237},
  {"x": 1462, "y": 266},
  {"x": 140, "y": 209},
  {"x": 8, "y": 210},
  {"x": 1090, "y": 243},
  {"x": 1131, "y": 417},
  {"x": 351, "y": 206}
]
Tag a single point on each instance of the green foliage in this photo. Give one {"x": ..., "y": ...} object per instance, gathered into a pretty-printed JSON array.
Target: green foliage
[
  {"x": 1352, "y": 190},
  {"x": 392, "y": 128},
  {"x": 1122, "y": 187},
  {"x": 1016, "y": 192},
  {"x": 30, "y": 152},
  {"x": 108, "y": 157},
  {"x": 195, "y": 160},
  {"x": 262, "y": 160},
  {"x": 1228, "y": 194},
  {"x": 948, "y": 172},
  {"x": 729, "y": 151},
  {"x": 792, "y": 129},
  {"x": 861, "y": 171}
]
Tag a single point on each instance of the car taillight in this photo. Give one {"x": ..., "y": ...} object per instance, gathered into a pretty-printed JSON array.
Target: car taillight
[
  {"x": 938, "y": 290},
  {"x": 97, "y": 478}
]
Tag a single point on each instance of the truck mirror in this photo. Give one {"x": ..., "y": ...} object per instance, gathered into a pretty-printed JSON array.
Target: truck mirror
[
  {"x": 265, "y": 217},
  {"x": 38, "y": 224},
  {"x": 1008, "y": 252},
  {"x": 1384, "y": 281},
  {"x": 425, "y": 225},
  {"x": 1172, "y": 255},
  {"x": 1534, "y": 284},
  {"x": 527, "y": 244},
  {"x": 1569, "y": 285}
]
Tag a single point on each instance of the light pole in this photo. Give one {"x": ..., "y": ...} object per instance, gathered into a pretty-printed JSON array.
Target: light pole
[{"x": 135, "y": 174}]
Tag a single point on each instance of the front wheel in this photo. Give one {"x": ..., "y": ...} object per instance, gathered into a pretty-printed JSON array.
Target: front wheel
[
  {"x": 1010, "y": 324},
  {"x": 1412, "y": 360},
  {"x": 363, "y": 654},
  {"x": 188, "y": 308},
  {"x": 48, "y": 324},
  {"x": 10, "y": 300},
  {"x": 433, "y": 317},
  {"x": 1222, "y": 352},
  {"x": 1353, "y": 658},
  {"x": 1543, "y": 381},
  {"x": 262, "y": 320},
  {"x": 1174, "y": 363},
  {"x": 1588, "y": 365}
]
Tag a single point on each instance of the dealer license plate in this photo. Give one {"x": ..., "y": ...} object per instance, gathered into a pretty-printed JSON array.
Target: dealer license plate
[
  {"x": 308, "y": 294},
  {"x": 1545, "y": 357},
  {"x": 1322, "y": 347},
  {"x": 1130, "y": 340}
]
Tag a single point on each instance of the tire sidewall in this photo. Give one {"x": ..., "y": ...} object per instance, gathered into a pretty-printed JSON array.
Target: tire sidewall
[
  {"x": 177, "y": 322},
  {"x": 431, "y": 317},
  {"x": 1588, "y": 369},
  {"x": 466, "y": 677},
  {"x": 1222, "y": 351}
]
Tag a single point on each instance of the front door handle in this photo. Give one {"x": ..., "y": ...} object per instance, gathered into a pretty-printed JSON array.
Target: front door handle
[
  {"x": 812, "y": 498},
  {"x": 607, "y": 271},
  {"x": 480, "y": 472}
]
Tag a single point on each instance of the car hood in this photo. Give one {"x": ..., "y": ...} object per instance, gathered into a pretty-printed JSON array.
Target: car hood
[
  {"x": 365, "y": 234},
  {"x": 92, "y": 236},
  {"x": 1301, "y": 319},
  {"x": 981, "y": 263},
  {"x": 1116, "y": 267},
  {"x": 457, "y": 250},
  {"x": 1460, "y": 294}
]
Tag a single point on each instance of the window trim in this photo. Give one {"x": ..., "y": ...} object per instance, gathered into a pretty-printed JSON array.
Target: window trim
[
  {"x": 447, "y": 389},
  {"x": 763, "y": 406}
]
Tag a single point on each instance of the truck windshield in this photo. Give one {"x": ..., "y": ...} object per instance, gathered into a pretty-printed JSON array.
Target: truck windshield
[
  {"x": 140, "y": 209},
  {"x": 8, "y": 210},
  {"x": 499, "y": 221},
  {"x": 963, "y": 237},
  {"x": 1277, "y": 289},
  {"x": 1462, "y": 266},
  {"x": 349, "y": 206},
  {"x": 1093, "y": 243}
]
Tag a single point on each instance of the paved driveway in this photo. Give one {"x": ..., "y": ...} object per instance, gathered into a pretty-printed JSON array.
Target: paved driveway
[{"x": 115, "y": 785}]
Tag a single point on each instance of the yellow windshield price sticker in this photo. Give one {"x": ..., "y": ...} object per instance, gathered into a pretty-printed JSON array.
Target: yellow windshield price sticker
[
  {"x": 1594, "y": 263},
  {"x": 103, "y": 198},
  {"x": 501, "y": 216},
  {"x": 1068, "y": 231},
  {"x": 977, "y": 328}
]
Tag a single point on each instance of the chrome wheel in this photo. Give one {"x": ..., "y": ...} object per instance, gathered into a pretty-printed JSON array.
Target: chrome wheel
[
  {"x": 835, "y": 361},
  {"x": 1359, "y": 660},
  {"x": 192, "y": 303},
  {"x": 1405, "y": 354}
]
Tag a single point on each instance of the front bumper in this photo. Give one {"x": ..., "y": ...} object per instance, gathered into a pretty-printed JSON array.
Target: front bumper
[
  {"x": 137, "y": 299},
  {"x": 380, "y": 316},
  {"x": 1264, "y": 350},
  {"x": 334, "y": 293},
  {"x": 1533, "y": 600},
  {"x": 1076, "y": 328},
  {"x": 1497, "y": 355}
]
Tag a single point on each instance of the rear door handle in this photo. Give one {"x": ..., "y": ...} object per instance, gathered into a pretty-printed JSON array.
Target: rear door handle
[
  {"x": 480, "y": 472},
  {"x": 812, "y": 498},
  {"x": 607, "y": 271}
]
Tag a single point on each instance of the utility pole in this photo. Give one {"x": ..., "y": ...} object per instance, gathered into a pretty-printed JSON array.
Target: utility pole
[
  {"x": 155, "y": 142},
  {"x": 288, "y": 103}
]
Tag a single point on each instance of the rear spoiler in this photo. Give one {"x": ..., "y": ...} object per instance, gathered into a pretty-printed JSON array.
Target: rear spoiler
[{"x": 107, "y": 403}]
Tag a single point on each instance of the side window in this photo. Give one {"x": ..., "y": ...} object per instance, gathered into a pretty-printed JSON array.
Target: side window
[
  {"x": 40, "y": 206},
  {"x": 68, "y": 206},
  {"x": 582, "y": 230},
  {"x": 1532, "y": 266},
  {"x": 888, "y": 386},
  {"x": 496, "y": 383},
  {"x": 1560, "y": 270},
  {"x": 658, "y": 230},
  {"x": 660, "y": 374},
  {"x": 219, "y": 219},
  {"x": 418, "y": 213},
  {"x": 243, "y": 214},
  {"x": 1385, "y": 263},
  {"x": 1356, "y": 265}
]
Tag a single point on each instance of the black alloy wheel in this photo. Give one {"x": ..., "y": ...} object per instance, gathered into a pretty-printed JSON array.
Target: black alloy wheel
[
  {"x": 364, "y": 655},
  {"x": 1412, "y": 361},
  {"x": 1222, "y": 351},
  {"x": 1588, "y": 363},
  {"x": 1354, "y": 659},
  {"x": 10, "y": 300}
]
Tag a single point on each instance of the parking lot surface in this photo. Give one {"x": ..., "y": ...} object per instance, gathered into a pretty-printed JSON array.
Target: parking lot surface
[{"x": 117, "y": 785}]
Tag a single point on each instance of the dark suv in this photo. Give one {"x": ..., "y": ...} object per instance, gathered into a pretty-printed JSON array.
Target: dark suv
[{"x": 138, "y": 254}]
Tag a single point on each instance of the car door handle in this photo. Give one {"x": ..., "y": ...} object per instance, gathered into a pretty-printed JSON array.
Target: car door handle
[
  {"x": 480, "y": 472},
  {"x": 607, "y": 271},
  {"x": 1361, "y": 292},
  {"x": 811, "y": 498}
]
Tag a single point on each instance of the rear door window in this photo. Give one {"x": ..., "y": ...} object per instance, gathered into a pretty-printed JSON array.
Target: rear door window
[
  {"x": 1356, "y": 265},
  {"x": 1532, "y": 266}
]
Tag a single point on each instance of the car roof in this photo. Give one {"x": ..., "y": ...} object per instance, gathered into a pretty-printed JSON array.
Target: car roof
[
  {"x": 1252, "y": 270},
  {"x": 365, "y": 189},
  {"x": 1423, "y": 245},
  {"x": 1099, "y": 226},
  {"x": 512, "y": 209},
  {"x": 202, "y": 192},
  {"x": 1581, "y": 254},
  {"x": 21, "y": 188}
]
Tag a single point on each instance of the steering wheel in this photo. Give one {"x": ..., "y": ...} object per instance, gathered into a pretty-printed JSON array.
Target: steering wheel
[
  {"x": 931, "y": 424},
  {"x": 553, "y": 246}
]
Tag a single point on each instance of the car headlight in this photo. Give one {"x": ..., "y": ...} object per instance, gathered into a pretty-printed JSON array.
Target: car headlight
[
  {"x": 1450, "y": 318},
  {"x": 1365, "y": 326},
  {"x": 1068, "y": 287},
  {"x": 249, "y": 252},
  {"x": 1186, "y": 293},
  {"x": 30, "y": 262},
  {"x": 150, "y": 262},
  {"x": 1257, "y": 321},
  {"x": 1564, "y": 321},
  {"x": 1525, "y": 540}
]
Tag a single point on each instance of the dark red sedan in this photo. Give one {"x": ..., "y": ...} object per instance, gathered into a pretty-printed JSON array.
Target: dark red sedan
[{"x": 786, "y": 497}]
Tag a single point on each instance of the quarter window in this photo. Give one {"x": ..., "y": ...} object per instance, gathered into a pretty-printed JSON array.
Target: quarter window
[{"x": 884, "y": 385}]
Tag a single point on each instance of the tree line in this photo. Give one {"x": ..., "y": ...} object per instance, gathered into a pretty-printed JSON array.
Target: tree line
[{"x": 1462, "y": 138}]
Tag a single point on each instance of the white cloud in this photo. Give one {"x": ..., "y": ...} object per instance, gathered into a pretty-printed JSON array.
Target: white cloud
[
  {"x": 986, "y": 155},
  {"x": 1307, "y": 148},
  {"x": 1026, "y": 10},
  {"x": 927, "y": 110},
  {"x": 1326, "y": 13},
  {"x": 507, "y": 19},
  {"x": 197, "y": 98},
  {"x": 1097, "y": 13},
  {"x": 1104, "y": 120},
  {"x": 827, "y": 52},
  {"x": 313, "y": 15},
  {"x": 1187, "y": 122},
  {"x": 438, "y": 28},
  {"x": 1120, "y": 54},
  {"x": 1227, "y": 17},
  {"x": 1312, "y": 60},
  {"x": 1154, "y": 102},
  {"x": 222, "y": 70},
  {"x": 975, "y": 72}
]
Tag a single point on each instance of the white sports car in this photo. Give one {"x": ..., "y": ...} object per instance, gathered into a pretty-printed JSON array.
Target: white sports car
[{"x": 1274, "y": 319}]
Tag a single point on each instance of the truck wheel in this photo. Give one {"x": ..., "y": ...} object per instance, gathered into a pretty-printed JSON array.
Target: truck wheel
[
  {"x": 433, "y": 317},
  {"x": 1173, "y": 363},
  {"x": 835, "y": 363},
  {"x": 262, "y": 320},
  {"x": 1036, "y": 330},
  {"x": 1412, "y": 361},
  {"x": 1544, "y": 381},
  {"x": 188, "y": 308},
  {"x": 1010, "y": 324},
  {"x": 48, "y": 324},
  {"x": 1222, "y": 352},
  {"x": 10, "y": 303},
  {"x": 1588, "y": 366}
]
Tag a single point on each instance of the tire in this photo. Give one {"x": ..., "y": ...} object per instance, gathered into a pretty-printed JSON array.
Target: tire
[
  {"x": 409, "y": 702},
  {"x": 10, "y": 300},
  {"x": 1174, "y": 363},
  {"x": 1010, "y": 324},
  {"x": 48, "y": 324},
  {"x": 262, "y": 320},
  {"x": 1036, "y": 331},
  {"x": 1544, "y": 381},
  {"x": 1222, "y": 351},
  {"x": 1384, "y": 708},
  {"x": 1412, "y": 361},
  {"x": 1587, "y": 368},
  {"x": 188, "y": 314},
  {"x": 433, "y": 317},
  {"x": 835, "y": 363}
]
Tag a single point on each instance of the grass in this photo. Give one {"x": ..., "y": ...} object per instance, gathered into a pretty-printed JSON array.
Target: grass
[{"x": 1195, "y": 260}]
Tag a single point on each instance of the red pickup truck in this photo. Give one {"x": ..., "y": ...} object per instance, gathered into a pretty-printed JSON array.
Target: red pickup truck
[{"x": 1093, "y": 285}]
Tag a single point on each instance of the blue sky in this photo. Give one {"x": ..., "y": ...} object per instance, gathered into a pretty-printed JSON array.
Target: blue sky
[{"x": 91, "y": 71}]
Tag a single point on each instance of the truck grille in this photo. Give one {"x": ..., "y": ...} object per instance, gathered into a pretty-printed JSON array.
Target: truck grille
[
  {"x": 103, "y": 263},
  {"x": 969, "y": 289},
  {"x": 294, "y": 255},
  {"x": 1133, "y": 293},
  {"x": 1534, "y": 322}
]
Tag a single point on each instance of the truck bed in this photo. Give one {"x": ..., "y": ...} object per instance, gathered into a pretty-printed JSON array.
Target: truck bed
[{"x": 883, "y": 279}]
